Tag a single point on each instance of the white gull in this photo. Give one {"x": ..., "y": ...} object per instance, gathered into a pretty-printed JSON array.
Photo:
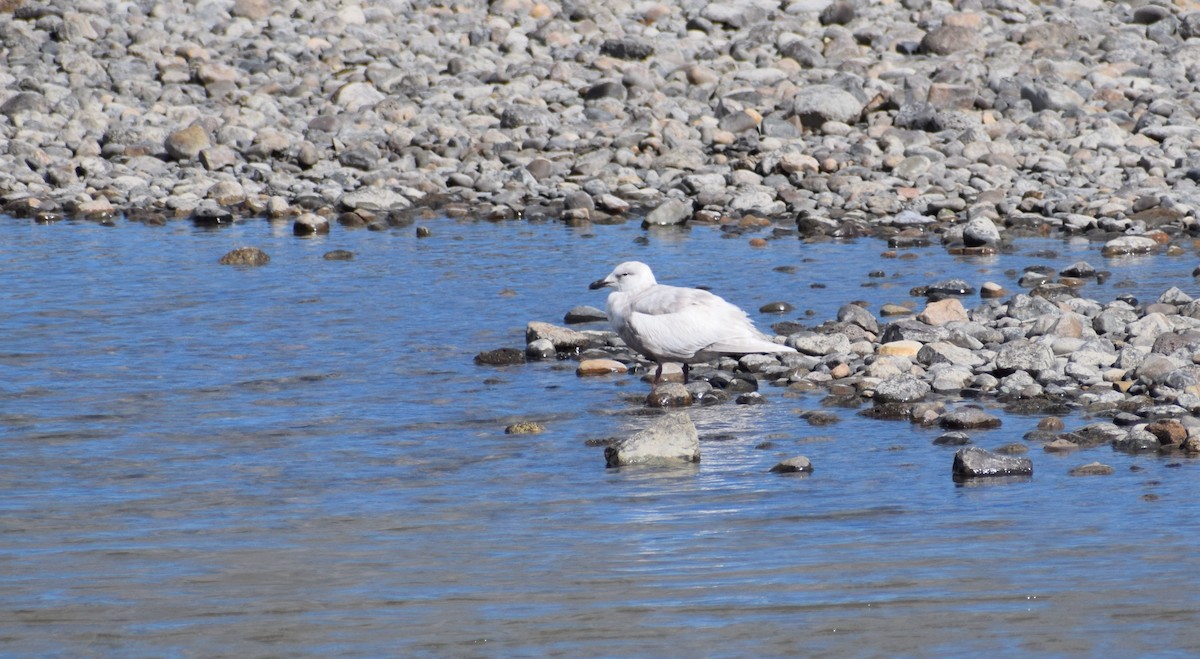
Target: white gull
[{"x": 675, "y": 324}]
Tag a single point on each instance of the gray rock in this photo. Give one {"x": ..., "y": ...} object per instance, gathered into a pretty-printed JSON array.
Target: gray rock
[
  {"x": 968, "y": 418},
  {"x": 669, "y": 440},
  {"x": 1023, "y": 355},
  {"x": 670, "y": 212},
  {"x": 980, "y": 231},
  {"x": 816, "y": 104},
  {"x": 901, "y": 389},
  {"x": 820, "y": 344},
  {"x": 948, "y": 39},
  {"x": 584, "y": 314},
  {"x": 793, "y": 465},
  {"x": 245, "y": 256},
  {"x": 941, "y": 352},
  {"x": 974, "y": 462}
]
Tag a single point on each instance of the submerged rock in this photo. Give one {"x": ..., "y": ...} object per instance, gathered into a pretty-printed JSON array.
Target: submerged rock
[
  {"x": 245, "y": 256},
  {"x": 670, "y": 440}
]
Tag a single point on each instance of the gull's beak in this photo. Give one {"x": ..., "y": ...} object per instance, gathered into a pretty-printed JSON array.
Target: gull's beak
[{"x": 599, "y": 283}]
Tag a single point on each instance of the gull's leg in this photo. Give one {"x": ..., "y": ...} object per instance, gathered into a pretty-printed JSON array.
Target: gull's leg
[
  {"x": 685, "y": 373},
  {"x": 658, "y": 374}
]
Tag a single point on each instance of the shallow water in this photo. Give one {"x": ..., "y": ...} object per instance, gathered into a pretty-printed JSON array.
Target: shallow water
[{"x": 303, "y": 458}]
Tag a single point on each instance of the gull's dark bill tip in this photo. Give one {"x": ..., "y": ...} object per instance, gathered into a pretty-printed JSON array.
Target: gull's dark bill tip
[{"x": 599, "y": 283}]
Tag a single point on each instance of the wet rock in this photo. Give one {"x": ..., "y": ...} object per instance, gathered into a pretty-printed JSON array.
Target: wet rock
[
  {"x": 524, "y": 428},
  {"x": 820, "y": 417},
  {"x": 1095, "y": 434},
  {"x": 670, "y": 440},
  {"x": 1091, "y": 469},
  {"x": 954, "y": 438},
  {"x": 245, "y": 256},
  {"x": 975, "y": 462},
  {"x": 793, "y": 465},
  {"x": 600, "y": 367},
  {"x": 1126, "y": 245},
  {"x": 1060, "y": 445},
  {"x": 968, "y": 418},
  {"x": 584, "y": 314},
  {"x": 540, "y": 349},
  {"x": 338, "y": 255},
  {"x": 669, "y": 394},
  {"x": 1168, "y": 431},
  {"x": 751, "y": 398},
  {"x": 309, "y": 224},
  {"x": 980, "y": 231},
  {"x": 776, "y": 307},
  {"x": 500, "y": 357}
]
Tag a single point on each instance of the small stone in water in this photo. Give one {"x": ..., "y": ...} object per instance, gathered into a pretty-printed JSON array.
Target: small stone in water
[
  {"x": 500, "y": 357},
  {"x": 1091, "y": 469},
  {"x": 524, "y": 428},
  {"x": 797, "y": 464},
  {"x": 776, "y": 307},
  {"x": 339, "y": 255},
  {"x": 245, "y": 256},
  {"x": 600, "y": 367},
  {"x": 424, "y": 232}
]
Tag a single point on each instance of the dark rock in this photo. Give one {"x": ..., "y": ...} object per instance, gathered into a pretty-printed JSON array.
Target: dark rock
[
  {"x": 751, "y": 398},
  {"x": 975, "y": 462},
  {"x": 838, "y": 13},
  {"x": 500, "y": 357},
  {"x": 948, "y": 39},
  {"x": 628, "y": 48},
  {"x": 310, "y": 224},
  {"x": 245, "y": 256},
  {"x": 607, "y": 89},
  {"x": 339, "y": 255}
]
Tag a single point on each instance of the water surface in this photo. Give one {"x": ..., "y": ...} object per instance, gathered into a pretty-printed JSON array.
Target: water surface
[{"x": 303, "y": 458}]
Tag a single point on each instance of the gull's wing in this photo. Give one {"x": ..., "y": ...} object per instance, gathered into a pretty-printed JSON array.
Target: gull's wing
[{"x": 676, "y": 323}]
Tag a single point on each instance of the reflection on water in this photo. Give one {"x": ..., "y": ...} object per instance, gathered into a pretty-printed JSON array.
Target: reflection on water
[{"x": 303, "y": 459}]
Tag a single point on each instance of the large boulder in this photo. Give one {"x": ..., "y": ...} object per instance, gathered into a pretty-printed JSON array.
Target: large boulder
[{"x": 671, "y": 440}]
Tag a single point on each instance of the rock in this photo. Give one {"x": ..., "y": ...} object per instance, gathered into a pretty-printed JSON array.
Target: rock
[
  {"x": 968, "y": 418},
  {"x": 524, "y": 428},
  {"x": 627, "y": 48},
  {"x": 901, "y": 389},
  {"x": 187, "y": 143},
  {"x": 1091, "y": 469},
  {"x": 817, "y": 104},
  {"x": 564, "y": 340},
  {"x": 309, "y": 224},
  {"x": 338, "y": 255},
  {"x": 1126, "y": 245},
  {"x": 245, "y": 256},
  {"x": 500, "y": 357},
  {"x": 820, "y": 344},
  {"x": 584, "y": 314},
  {"x": 1168, "y": 431},
  {"x": 793, "y": 465},
  {"x": 949, "y": 39},
  {"x": 776, "y": 307},
  {"x": 1060, "y": 445},
  {"x": 941, "y": 352},
  {"x": 670, "y": 212},
  {"x": 375, "y": 199},
  {"x": 902, "y": 348},
  {"x": 980, "y": 231},
  {"x": 669, "y": 394},
  {"x": 1023, "y": 355},
  {"x": 943, "y": 311},
  {"x": 600, "y": 367},
  {"x": 954, "y": 438},
  {"x": 670, "y": 440},
  {"x": 540, "y": 349},
  {"x": 975, "y": 462}
]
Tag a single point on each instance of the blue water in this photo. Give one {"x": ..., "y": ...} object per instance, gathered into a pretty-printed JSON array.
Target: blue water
[{"x": 303, "y": 459}]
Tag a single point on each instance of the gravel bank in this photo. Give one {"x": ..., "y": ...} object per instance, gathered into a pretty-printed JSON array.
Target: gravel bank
[{"x": 887, "y": 115}]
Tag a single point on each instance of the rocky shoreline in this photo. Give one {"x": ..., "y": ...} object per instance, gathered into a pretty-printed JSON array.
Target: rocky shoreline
[
  {"x": 899, "y": 117},
  {"x": 1046, "y": 352}
]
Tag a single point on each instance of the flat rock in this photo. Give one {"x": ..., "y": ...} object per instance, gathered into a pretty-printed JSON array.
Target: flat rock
[
  {"x": 975, "y": 462},
  {"x": 968, "y": 418},
  {"x": 600, "y": 367},
  {"x": 670, "y": 440},
  {"x": 1091, "y": 469}
]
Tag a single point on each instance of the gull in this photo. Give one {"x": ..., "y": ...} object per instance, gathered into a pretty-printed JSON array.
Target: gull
[{"x": 676, "y": 324}]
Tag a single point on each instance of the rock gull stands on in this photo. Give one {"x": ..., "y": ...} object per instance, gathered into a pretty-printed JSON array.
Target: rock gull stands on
[{"x": 675, "y": 324}]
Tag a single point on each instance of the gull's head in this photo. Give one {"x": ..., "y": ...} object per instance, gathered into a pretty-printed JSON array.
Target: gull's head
[{"x": 629, "y": 277}]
